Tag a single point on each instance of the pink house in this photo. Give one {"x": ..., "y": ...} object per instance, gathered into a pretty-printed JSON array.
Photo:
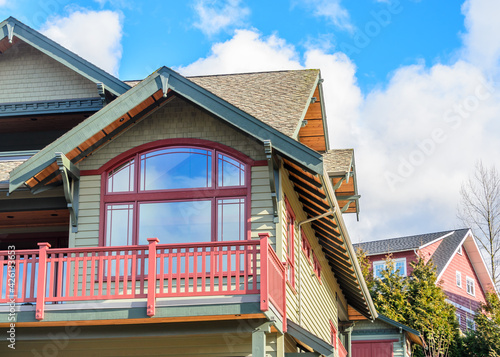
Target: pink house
[{"x": 460, "y": 267}]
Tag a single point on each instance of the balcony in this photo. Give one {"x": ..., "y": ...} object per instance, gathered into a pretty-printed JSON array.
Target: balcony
[{"x": 147, "y": 273}]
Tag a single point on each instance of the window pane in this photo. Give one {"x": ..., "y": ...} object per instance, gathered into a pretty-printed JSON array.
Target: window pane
[
  {"x": 121, "y": 179},
  {"x": 231, "y": 219},
  {"x": 175, "y": 222},
  {"x": 119, "y": 218},
  {"x": 401, "y": 267},
  {"x": 176, "y": 168},
  {"x": 230, "y": 172},
  {"x": 378, "y": 270}
]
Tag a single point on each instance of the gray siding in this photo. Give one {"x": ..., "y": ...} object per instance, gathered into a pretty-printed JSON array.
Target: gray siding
[{"x": 29, "y": 75}]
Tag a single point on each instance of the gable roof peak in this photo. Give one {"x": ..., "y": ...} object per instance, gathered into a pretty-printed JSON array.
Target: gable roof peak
[{"x": 11, "y": 27}]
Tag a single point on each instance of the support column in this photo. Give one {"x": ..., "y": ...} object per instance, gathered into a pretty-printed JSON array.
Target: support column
[
  {"x": 259, "y": 340},
  {"x": 348, "y": 340}
]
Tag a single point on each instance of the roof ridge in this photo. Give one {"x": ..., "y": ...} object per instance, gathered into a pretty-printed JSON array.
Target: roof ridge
[{"x": 412, "y": 236}]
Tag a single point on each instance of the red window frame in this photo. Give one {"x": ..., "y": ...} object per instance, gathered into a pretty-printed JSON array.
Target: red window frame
[
  {"x": 333, "y": 335},
  {"x": 213, "y": 193},
  {"x": 306, "y": 246},
  {"x": 316, "y": 266},
  {"x": 290, "y": 242}
]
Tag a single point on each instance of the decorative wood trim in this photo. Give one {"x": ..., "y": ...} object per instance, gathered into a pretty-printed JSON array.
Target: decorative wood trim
[{"x": 155, "y": 320}]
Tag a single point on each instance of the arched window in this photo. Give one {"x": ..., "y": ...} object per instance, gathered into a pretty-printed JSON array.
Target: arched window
[{"x": 177, "y": 194}]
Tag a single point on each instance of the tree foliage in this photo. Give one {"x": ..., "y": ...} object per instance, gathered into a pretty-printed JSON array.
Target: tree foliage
[
  {"x": 416, "y": 301},
  {"x": 485, "y": 340},
  {"x": 479, "y": 209}
]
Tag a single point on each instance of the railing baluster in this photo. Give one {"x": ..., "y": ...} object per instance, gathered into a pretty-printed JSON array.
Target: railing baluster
[
  {"x": 152, "y": 276},
  {"x": 264, "y": 278},
  {"x": 42, "y": 278},
  {"x": 84, "y": 275}
]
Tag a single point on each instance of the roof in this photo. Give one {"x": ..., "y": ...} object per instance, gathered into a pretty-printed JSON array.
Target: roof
[
  {"x": 451, "y": 241},
  {"x": 10, "y": 29},
  {"x": 6, "y": 167},
  {"x": 277, "y": 98},
  {"x": 401, "y": 244},
  {"x": 338, "y": 161},
  {"x": 415, "y": 336}
]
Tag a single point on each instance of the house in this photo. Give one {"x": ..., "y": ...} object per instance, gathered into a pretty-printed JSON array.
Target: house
[
  {"x": 383, "y": 337},
  {"x": 460, "y": 267},
  {"x": 172, "y": 215}
]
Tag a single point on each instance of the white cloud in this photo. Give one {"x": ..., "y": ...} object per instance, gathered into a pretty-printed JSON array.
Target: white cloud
[
  {"x": 416, "y": 138},
  {"x": 331, "y": 10},
  {"x": 482, "y": 40},
  {"x": 93, "y": 35},
  {"x": 247, "y": 51},
  {"x": 215, "y": 16},
  {"x": 3, "y": 2}
]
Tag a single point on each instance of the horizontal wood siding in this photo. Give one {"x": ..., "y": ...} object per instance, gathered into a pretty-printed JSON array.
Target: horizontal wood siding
[
  {"x": 319, "y": 296},
  {"x": 220, "y": 345},
  {"x": 262, "y": 205},
  {"x": 88, "y": 214}
]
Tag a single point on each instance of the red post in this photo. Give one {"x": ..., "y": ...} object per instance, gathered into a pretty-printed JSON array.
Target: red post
[
  {"x": 264, "y": 271},
  {"x": 42, "y": 280},
  {"x": 152, "y": 276}
]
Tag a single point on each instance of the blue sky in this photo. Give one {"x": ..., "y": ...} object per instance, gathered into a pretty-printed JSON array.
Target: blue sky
[{"x": 410, "y": 84}]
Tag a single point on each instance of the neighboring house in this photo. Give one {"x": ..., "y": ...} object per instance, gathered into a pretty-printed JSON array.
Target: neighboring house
[
  {"x": 384, "y": 338},
  {"x": 170, "y": 216},
  {"x": 460, "y": 267}
]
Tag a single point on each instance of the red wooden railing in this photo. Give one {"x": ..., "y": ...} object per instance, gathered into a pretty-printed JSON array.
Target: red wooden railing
[{"x": 128, "y": 272}]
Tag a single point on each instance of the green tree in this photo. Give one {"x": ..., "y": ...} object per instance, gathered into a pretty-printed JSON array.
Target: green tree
[
  {"x": 417, "y": 301},
  {"x": 485, "y": 340},
  {"x": 430, "y": 313},
  {"x": 390, "y": 293}
]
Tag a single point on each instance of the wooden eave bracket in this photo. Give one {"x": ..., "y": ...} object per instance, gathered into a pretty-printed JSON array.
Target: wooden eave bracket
[
  {"x": 164, "y": 83},
  {"x": 10, "y": 31},
  {"x": 268, "y": 147},
  {"x": 71, "y": 185},
  {"x": 349, "y": 199}
]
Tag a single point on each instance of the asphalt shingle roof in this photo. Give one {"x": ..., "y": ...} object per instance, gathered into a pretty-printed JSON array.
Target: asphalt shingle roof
[
  {"x": 338, "y": 160},
  {"x": 440, "y": 257},
  {"x": 276, "y": 98},
  {"x": 6, "y": 167}
]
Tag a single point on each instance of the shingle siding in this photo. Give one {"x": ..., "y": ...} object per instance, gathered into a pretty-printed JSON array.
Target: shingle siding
[{"x": 29, "y": 75}]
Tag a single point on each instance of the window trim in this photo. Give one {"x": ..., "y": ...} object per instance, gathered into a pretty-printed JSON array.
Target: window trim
[
  {"x": 306, "y": 247},
  {"x": 473, "y": 281},
  {"x": 333, "y": 335},
  {"x": 383, "y": 262},
  {"x": 458, "y": 279},
  {"x": 174, "y": 194},
  {"x": 290, "y": 261},
  {"x": 467, "y": 320}
]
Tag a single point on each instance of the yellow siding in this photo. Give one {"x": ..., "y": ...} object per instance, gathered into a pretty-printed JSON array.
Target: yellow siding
[
  {"x": 319, "y": 298},
  {"x": 220, "y": 345}
]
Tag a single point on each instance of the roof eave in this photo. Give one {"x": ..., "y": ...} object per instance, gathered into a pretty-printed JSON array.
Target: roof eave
[{"x": 350, "y": 249}]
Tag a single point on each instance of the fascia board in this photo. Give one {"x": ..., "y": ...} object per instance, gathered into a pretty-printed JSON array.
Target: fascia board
[
  {"x": 306, "y": 108},
  {"x": 64, "y": 56},
  {"x": 84, "y": 130}
]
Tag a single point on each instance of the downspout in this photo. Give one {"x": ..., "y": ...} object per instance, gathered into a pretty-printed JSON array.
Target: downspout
[{"x": 299, "y": 285}]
